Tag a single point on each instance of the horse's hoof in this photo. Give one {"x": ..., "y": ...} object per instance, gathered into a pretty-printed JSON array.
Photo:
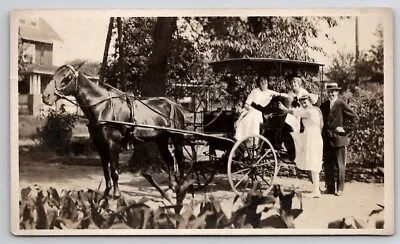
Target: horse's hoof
[
  {"x": 106, "y": 194},
  {"x": 116, "y": 195}
]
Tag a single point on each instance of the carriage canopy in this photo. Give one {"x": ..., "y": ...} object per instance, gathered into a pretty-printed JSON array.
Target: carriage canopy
[{"x": 267, "y": 66}]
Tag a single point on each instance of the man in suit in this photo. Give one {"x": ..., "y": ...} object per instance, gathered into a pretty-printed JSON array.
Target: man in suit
[{"x": 339, "y": 119}]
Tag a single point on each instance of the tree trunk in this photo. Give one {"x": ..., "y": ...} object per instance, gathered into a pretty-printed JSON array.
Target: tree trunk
[
  {"x": 106, "y": 48},
  {"x": 155, "y": 79}
]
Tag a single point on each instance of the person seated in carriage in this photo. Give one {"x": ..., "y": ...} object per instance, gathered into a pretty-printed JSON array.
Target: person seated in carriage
[{"x": 251, "y": 116}]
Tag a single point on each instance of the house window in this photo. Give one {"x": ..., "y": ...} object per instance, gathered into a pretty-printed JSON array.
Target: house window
[
  {"x": 30, "y": 22},
  {"x": 29, "y": 53}
]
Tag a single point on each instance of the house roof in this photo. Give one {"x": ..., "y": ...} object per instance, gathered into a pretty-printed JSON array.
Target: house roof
[{"x": 42, "y": 33}]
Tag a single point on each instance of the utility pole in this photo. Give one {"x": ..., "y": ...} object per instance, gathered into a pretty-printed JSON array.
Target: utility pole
[
  {"x": 357, "y": 54},
  {"x": 121, "y": 53},
  {"x": 106, "y": 48}
]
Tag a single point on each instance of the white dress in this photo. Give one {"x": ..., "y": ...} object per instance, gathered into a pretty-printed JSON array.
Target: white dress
[
  {"x": 309, "y": 144},
  {"x": 249, "y": 120}
]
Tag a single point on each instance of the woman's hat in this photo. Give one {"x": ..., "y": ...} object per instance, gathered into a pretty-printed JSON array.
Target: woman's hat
[
  {"x": 332, "y": 86},
  {"x": 313, "y": 97},
  {"x": 305, "y": 94}
]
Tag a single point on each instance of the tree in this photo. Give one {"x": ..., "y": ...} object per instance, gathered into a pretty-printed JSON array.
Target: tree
[
  {"x": 376, "y": 54},
  {"x": 198, "y": 40},
  {"x": 155, "y": 78},
  {"x": 21, "y": 64},
  {"x": 369, "y": 67}
]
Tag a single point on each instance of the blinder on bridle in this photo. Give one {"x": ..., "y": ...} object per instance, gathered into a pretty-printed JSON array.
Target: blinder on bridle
[{"x": 60, "y": 75}]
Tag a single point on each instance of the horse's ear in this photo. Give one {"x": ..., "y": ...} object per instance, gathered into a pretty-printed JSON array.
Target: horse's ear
[{"x": 80, "y": 65}]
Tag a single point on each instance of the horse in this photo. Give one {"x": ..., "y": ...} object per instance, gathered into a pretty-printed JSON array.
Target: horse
[{"x": 99, "y": 104}]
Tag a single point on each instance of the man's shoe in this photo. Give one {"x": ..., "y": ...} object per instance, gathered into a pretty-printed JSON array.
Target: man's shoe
[
  {"x": 313, "y": 195},
  {"x": 326, "y": 192},
  {"x": 339, "y": 193},
  {"x": 329, "y": 190}
]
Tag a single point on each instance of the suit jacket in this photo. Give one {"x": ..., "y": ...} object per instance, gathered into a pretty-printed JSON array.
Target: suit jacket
[{"x": 340, "y": 115}]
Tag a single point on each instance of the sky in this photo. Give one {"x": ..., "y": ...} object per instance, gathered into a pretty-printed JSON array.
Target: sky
[{"x": 84, "y": 38}]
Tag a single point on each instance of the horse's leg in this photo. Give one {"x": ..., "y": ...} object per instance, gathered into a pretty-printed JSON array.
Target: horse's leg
[
  {"x": 106, "y": 171},
  {"x": 104, "y": 153},
  {"x": 162, "y": 145},
  {"x": 114, "y": 148},
  {"x": 177, "y": 141}
]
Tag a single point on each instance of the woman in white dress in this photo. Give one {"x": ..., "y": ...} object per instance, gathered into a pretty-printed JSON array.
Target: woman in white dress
[
  {"x": 309, "y": 144},
  {"x": 250, "y": 118}
]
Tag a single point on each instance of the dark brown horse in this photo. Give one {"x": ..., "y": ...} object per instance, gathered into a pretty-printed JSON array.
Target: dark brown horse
[{"x": 98, "y": 103}]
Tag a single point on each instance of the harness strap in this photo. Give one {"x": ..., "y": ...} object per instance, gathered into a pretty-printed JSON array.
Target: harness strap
[{"x": 89, "y": 105}]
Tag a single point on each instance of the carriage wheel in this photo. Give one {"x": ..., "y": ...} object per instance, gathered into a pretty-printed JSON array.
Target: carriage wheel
[
  {"x": 200, "y": 163},
  {"x": 252, "y": 159}
]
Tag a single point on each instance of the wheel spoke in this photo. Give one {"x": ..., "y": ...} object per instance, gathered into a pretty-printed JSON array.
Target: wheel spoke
[
  {"x": 245, "y": 186},
  {"x": 263, "y": 164},
  {"x": 242, "y": 179},
  {"x": 198, "y": 177},
  {"x": 262, "y": 178},
  {"x": 240, "y": 171},
  {"x": 240, "y": 163},
  {"x": 261, "y": 158},
  {"x": 253, "y": 146}
]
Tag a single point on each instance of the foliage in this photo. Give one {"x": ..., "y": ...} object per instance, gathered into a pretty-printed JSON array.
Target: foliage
[
  {"x": 199, "y": 40},
  {"x": 367, "y": 144},
  {"x": 137, "y": 41},
  {"x": 366, "y": 98},
  {"x": 369, "y": 68},
  {"x": 375, "y": 220},
  {"x": 21, "y": 64},
  {"x": 89, "y": 68},
  {"x": 56, "y": 134},
  {"x": 78, "y": 209}
]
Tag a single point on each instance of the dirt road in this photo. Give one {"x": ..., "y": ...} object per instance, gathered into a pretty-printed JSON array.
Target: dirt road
[{"x": 358, "y": 199}]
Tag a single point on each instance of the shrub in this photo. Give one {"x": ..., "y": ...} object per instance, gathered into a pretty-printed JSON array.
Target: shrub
[
  {"x": 78, "y": 209},
  {"x": 366, "y": 146},
  {"x": 56, "y": 134}
]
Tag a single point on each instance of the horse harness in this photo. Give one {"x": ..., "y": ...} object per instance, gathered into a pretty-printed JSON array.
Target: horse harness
[{"x": 128, "y": 131}]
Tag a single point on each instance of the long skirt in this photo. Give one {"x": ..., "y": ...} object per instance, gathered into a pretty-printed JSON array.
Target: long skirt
[
  {"x": 248, "y": 124},
  {"x": 309, "y": 149}
]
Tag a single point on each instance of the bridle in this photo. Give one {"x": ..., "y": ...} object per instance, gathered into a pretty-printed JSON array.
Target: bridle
[
  {"x": 75, "y": 74},
  {"x": 74, "y": 79}
]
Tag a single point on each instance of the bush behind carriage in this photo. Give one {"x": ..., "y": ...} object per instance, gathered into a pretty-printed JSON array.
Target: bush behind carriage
[{"x": 367, "y": 143}]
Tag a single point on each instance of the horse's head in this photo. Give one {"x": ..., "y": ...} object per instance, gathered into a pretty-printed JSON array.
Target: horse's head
[{"x": 64, "y": 83}]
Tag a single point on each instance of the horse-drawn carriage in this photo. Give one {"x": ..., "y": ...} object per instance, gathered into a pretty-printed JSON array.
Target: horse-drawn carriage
[{"x": 115, "y": 117}]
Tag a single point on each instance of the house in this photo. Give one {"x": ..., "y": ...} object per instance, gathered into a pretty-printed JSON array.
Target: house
[{"x": 38, "y": 41}]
